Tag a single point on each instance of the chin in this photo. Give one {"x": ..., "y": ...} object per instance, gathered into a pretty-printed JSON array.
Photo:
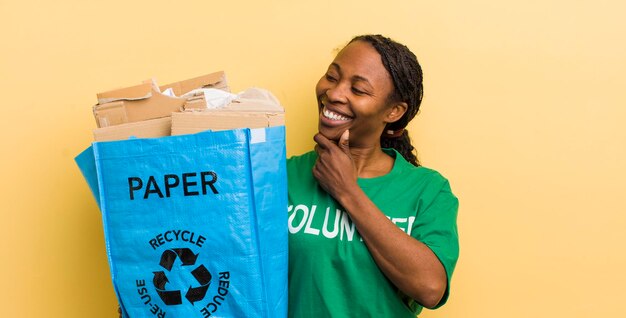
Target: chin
[{"x": 330, "y": 133}]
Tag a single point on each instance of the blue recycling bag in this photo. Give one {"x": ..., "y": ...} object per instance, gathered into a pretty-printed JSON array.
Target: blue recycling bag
[{"x": 195, "y": 225}]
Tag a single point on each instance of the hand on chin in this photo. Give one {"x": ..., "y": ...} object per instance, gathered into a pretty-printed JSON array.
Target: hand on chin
[{"x": 332, "y": 134}]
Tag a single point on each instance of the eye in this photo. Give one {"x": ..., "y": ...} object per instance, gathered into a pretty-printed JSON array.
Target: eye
[
  {"x": 357, "y": 91},
  {"x": 330, "y": 78}
]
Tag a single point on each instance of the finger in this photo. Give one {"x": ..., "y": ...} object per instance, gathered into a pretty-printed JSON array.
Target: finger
[
  {"x": 322, "y": 141},
  {"x": 344, "y": 142}
]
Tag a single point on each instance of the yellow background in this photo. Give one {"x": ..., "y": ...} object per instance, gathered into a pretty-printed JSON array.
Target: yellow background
[{"x": 523, "y": 111}]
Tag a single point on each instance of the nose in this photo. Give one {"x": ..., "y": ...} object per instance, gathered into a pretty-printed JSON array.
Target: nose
[{"x": 337, "y": 93}]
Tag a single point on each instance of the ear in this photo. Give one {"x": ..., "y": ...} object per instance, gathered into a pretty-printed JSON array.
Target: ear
[{"x": 396, "y": 111}]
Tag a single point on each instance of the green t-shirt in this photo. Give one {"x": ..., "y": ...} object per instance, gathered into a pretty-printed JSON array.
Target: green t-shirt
[{"x": 331, "y": 272}]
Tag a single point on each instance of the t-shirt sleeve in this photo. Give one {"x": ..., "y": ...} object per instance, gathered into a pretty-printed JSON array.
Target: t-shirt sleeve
[{"x": 435, "y": 225}]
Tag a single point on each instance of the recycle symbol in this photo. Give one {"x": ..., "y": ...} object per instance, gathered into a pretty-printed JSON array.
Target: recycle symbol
[{"x": 200, "y": 273}]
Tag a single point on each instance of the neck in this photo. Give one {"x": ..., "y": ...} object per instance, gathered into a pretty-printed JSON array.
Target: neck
[{"x": 371, "y": 161}]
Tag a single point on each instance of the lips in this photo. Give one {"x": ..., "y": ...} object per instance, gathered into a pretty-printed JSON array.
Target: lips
[{"x": 334, "y": 116}]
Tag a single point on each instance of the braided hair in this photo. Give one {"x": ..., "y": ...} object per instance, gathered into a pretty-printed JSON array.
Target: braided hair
[{"x": 407, "y": 78}]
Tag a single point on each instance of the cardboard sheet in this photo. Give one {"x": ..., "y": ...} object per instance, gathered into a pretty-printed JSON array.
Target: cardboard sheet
[
  {"x": 144, "y": 129},
  {"x": 193, "y": 122}
]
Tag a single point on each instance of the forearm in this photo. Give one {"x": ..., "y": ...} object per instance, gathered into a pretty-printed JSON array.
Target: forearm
[{"x": 409, "y": 264}]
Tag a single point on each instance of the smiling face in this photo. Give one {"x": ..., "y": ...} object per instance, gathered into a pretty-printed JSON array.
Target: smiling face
[{"x": 354, "y": 94}]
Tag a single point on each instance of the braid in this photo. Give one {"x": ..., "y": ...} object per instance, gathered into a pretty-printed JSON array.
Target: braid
[
  {"x": 403, "y": 145},
  {"x": 407, "y": 78}
]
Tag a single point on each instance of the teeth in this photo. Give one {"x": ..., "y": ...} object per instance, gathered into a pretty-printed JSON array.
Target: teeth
[{"x": 333, "y": 116}]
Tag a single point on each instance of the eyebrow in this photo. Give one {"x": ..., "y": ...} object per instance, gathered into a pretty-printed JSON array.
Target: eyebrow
[{"x": 355, "y": 77}]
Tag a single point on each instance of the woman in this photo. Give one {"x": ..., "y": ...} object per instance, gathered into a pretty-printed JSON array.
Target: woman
[{"x": 372, "y": 233}]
